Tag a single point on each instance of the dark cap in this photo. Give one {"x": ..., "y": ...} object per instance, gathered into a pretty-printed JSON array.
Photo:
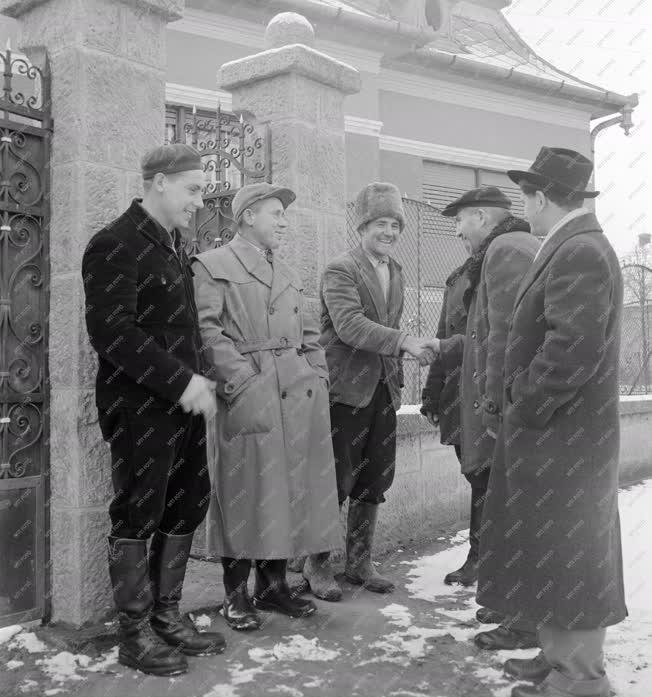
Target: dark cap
[
  {"x": 252, "y": 193},
  {"x": 170, "y": 159},
  {"x": 485, "y": 196}
]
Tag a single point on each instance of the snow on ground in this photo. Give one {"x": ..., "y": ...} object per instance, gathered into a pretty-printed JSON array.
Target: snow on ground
[
  {"x": 201, "y": 621},
  {"x": 628, "y": 646},
  {"x": 29, "y": 642},
  {"x": 7, "y": 633},
  {"x": 296, "y": 648}
]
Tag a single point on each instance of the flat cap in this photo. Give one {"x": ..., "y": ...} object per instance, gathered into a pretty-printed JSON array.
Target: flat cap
[
  {"x": 170, "y": 159},
  {"x": 252, "y": 193},
  {"x": 488, "y": 196}
]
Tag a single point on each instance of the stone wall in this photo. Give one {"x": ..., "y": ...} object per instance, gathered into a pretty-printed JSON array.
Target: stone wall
[{"x": 430, "y": 497}]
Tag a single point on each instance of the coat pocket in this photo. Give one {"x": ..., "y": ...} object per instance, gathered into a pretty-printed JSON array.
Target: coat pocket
[{"x": 250, "y": 411}]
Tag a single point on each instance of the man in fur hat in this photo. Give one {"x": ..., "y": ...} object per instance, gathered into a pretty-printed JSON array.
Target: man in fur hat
[
  {"x": 550, "y": 543},
  {"x": 362, "y": 301},
  {"x": 501, "y": 251}
]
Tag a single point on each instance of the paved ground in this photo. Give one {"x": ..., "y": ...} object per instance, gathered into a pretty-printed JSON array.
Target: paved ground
[{"x": 417, "y": 641}]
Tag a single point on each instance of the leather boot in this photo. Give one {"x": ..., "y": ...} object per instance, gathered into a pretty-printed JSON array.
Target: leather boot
[
  {"x": 504, "y": 637},
  {"x": 319, "y": 574},
  {"x": 140, "y": 647},
  {"x": 534, "y": 670},
  {"x": 361, "y": 525},
  {"x": 272, "y": 593},
  {"x": 466, "y": 575},
  {"x": 167, "y": 569},
  {"x": 486, "y": 616},
  {"x": 239, "y": 612}
]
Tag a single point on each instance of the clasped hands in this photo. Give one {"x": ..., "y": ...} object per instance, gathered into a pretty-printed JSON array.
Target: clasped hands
[{"x": 423, "y": 350}]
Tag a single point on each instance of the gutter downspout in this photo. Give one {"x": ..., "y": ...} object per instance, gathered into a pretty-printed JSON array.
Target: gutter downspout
[
  {"x": 624, "y": 119},
  {"x": 336, "y": 15}
]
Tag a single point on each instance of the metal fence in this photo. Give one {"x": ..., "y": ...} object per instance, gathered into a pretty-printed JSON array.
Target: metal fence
[{"x": 428, "y": 250}]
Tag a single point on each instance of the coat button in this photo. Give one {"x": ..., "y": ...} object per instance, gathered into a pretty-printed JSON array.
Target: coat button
[
  {"x": 309, "y": 393},
  {"x": 473, "y": 335},
  {"x": 284, "y": 394},
  {"x": 476, "y": 404},
  {"x": 271, "y": 310},
  {"x": 296, "y": 309},
  {"x": 277, "y": 352},
  {"x": 300, "y": 352}
]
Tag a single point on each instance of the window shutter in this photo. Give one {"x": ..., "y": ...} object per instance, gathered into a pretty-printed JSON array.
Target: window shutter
[{"x": 507, "y": 186}]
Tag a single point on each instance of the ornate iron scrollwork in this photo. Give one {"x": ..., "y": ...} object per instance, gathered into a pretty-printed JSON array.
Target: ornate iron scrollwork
[{"x": 235, "y": 152}]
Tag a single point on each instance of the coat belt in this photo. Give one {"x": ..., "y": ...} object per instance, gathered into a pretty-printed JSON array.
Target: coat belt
[{"x": 267, "y": 345}]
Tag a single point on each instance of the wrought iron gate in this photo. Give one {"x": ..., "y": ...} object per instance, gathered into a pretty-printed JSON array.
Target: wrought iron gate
[
  {"x": 235, "y": 151},
  {"x": 25, "y": 129}
]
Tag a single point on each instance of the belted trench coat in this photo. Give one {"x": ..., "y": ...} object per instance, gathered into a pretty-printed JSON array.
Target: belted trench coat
[{"x": 275, "y": 493}]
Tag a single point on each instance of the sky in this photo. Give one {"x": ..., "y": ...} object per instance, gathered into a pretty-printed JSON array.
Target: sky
[{"x": 607, "y": 43}]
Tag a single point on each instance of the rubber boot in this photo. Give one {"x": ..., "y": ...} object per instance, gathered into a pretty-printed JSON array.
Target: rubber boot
[
  {"x": 361, "y": 525},
  {"x": 319, "y": 574},
  {"x": 167, "y": 568},
  {"x": 272, "y": 593},
  {"x": 140, "y": 647},
  {"x": 239, "y": 612}
]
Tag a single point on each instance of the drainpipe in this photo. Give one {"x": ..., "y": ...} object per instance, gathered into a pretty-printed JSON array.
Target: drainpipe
[
  {"x": 332, "y": 15},
  {"x": 624, "y": 120}
]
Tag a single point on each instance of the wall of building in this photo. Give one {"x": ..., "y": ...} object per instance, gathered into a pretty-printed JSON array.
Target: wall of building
[{"x": 429, "y": 496}]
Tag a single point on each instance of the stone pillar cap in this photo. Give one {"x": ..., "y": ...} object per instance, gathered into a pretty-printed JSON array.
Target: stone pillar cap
[
  {"x": 289, "y": 28},
  {"x": 295, "y": 58}
]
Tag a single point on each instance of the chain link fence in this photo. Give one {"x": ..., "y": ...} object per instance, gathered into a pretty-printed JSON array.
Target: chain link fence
[{"x": 428, "y": 250}]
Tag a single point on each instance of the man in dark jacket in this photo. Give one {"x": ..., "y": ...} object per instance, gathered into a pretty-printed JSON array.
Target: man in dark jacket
[
  {"x": 152, "y": 401},
  {"x": 502, "y": 250},
  {"x": 550, "y": 544}
]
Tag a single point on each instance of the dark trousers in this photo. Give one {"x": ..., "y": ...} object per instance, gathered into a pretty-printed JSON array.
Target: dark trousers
[
  {"x": 159, "y": 471},
  {"x": 364, "y": 444},
  {"x": 479, "y": 481}
]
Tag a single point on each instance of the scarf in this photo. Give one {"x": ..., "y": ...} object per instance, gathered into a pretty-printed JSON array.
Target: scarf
[{"x": 472, "y": 267}]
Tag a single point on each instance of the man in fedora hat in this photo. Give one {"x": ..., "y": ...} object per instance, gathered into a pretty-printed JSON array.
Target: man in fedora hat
[
  {"x": 550, "y": 545},
  {"x": 275, "y": 488},
  {"x": 362, "y": 302},
  {"x": 152, "y": 401},
  {"x": 501, "y": 250}
]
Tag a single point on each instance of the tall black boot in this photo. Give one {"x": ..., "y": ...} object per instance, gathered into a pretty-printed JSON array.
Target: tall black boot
[
  {"x": 140, "y": 647},
  {"x": 168, "y": 562},
  {"x": 467, "y": 574},
  {"x": 272, "y": 593},
  {"x": 361, "y": 525},
  {"x": 237, "y": 607}
]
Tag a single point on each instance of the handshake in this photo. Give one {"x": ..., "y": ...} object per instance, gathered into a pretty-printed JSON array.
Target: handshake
[{"x": 422, "y": 349}]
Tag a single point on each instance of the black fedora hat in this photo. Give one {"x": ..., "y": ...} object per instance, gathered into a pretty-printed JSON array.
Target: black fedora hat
[{"x": 559, "y": 167}]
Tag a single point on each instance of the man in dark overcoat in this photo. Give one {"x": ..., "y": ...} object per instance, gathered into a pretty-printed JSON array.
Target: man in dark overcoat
[
  {"x": 501, "y": 251},
  {"x": 550, "y": 545},
  {"x": 152, "y": 401}
]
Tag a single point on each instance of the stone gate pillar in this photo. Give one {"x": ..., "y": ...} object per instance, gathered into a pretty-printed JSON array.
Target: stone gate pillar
[
  {"x": 107, "y": 60},
  {"x": 300, "y": 92}
]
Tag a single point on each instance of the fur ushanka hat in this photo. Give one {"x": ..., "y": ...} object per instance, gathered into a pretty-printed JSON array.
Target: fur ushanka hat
[{"x": 379, "y": 200}]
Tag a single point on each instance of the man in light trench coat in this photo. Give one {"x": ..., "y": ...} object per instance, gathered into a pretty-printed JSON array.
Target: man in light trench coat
[
  {"x": 550, "y": 546},
  {"x": 275, "y": 480}
]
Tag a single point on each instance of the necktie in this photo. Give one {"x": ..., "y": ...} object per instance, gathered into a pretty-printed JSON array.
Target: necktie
[{"x": 269, "y": 255}]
